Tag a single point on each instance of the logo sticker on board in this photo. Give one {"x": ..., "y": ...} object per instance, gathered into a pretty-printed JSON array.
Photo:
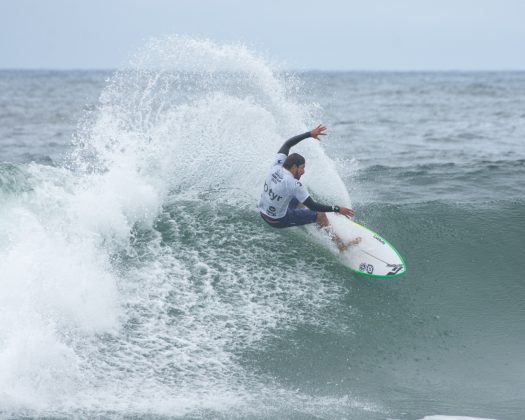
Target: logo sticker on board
[
  {"x": 396, "y": 269},
  {"x": 366, "y": 268}
]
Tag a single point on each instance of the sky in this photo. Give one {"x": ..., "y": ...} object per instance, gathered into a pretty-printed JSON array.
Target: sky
[{"x": 298, "y": 34}]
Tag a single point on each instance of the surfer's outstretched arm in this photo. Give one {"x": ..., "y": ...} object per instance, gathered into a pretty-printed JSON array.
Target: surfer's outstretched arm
[{"x": 315, "y": 133}]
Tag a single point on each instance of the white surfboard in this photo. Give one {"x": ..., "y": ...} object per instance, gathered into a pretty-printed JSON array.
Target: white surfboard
[{"x": 373, "y": 256}]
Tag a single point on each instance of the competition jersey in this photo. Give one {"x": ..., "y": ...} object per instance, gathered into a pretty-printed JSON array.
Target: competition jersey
[{"x": 279, "y": 188}]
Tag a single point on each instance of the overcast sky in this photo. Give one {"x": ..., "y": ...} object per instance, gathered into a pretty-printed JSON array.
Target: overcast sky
[{"x": 302, "y": 34}]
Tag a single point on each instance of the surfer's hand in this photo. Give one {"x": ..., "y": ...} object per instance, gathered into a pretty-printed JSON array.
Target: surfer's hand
[
  {"x": 318, "y": 131},
  {"x": 345, "y": 211}
]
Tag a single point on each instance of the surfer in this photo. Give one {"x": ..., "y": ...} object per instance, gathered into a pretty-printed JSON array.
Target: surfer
[{"x": 285, "y": 202}]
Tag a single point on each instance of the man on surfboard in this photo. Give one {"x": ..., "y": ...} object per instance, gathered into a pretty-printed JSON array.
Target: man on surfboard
[{"x": 285, "y": 202}]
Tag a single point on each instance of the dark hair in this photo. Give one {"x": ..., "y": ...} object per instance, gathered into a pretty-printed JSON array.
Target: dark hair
[{"x": 293, "y": 159}]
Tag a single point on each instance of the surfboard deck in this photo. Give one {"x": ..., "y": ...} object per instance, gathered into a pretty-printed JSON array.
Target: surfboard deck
[{"x": 374, "y": 256}]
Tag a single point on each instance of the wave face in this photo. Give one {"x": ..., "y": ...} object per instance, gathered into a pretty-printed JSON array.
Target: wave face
[{"x": 137, "y": 279}]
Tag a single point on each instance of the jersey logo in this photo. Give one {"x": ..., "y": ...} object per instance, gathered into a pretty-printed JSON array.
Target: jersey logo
[
  {"x": 298, "y": 183},
  {"x": 276, "y": 178},
  {"x": 271, "y": 194}
]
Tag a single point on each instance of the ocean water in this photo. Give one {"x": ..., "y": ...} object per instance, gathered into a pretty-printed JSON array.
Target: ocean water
[{"x": 138, "y": 281}]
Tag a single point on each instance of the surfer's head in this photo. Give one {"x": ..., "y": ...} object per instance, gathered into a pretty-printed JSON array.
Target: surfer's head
[{"x": 295, "y": 164}]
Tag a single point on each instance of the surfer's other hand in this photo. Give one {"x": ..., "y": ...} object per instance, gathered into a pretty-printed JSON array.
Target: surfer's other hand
[
  {"x": 318, "y": 131},
  {"x": 345, "y": 211}
]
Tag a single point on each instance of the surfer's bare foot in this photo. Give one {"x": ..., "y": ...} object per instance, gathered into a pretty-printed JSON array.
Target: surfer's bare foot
[
  {"x": 355, "y": 241},
  {"x": 343, "y": 247}
]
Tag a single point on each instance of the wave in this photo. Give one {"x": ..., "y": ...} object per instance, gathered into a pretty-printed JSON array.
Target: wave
[
  {"x": 476, "y": 165},
  {"x": 127, "y": 288},
  {"x": 477, "y": 181}
]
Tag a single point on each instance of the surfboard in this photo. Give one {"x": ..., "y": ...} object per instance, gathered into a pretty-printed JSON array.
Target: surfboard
[{"x": 373, "y": 256}]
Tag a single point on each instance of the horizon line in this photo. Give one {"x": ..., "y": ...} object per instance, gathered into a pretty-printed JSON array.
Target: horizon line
[{"x": 313, "y": 70}]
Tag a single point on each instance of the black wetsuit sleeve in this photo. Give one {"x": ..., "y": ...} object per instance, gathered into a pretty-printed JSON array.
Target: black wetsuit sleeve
[
  {"x": 312, "y": 205},
  {"x": 288, "y": 144}
]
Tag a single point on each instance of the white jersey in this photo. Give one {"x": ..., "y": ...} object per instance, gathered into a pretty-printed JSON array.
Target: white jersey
[{"x": 279, "y": 188}]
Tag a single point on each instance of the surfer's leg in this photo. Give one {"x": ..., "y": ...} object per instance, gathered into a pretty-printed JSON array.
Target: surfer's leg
[
  {"x": 297, "y": 216},
  {"x": 322, "y": 221},
  {"x": 294, "y": 204}
]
